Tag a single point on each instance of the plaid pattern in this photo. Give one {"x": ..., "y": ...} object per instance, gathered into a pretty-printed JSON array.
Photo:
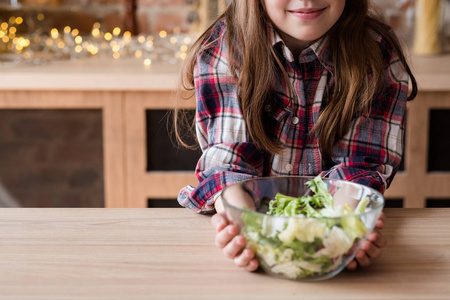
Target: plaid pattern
[{"x": 369, "y": 153}]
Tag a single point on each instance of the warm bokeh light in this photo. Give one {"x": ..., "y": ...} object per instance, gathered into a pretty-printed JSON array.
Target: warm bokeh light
[
  {"x": 162, "y": 34},
  {"x": 67, "y": 41},
  {"x": 116, "y": 31},
  {"x": 54, "y": 33},
  {"x": 147, "y": 62},
  {"x": 96, "y": 32},
  {"x": 116, "y": 48},
  {"x": 141, "y": 39},
  {"x": 108, "y": 36},
  {"x": 92, "y": 49}
]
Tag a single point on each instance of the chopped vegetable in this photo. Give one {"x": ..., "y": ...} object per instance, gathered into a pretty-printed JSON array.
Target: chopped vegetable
[{"x": 310, "y": 243}]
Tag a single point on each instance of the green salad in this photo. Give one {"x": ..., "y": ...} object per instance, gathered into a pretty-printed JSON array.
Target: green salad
[{"x": 312, "y": 243}]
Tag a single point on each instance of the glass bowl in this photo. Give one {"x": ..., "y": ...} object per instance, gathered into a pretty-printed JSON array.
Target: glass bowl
[{"x": 299, "y": 247}]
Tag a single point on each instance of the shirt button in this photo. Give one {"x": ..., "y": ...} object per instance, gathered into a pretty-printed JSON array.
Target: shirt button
[
  {"x": 288, "y": 167},
  {"x": 267, "y": 108},
  {"x": 295, "y": 120}
]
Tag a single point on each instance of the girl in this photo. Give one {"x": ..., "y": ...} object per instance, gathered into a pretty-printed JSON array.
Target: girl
[{"x": 295, "y": 87}]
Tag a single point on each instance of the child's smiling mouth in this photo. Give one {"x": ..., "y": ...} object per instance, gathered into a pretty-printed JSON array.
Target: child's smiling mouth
[{"x": 307, "y": 13}]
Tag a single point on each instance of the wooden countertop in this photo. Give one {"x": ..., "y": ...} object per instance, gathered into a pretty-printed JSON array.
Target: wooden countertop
[
  {"x": 170, "y": 254},
  {"x": 92, "y": 74},
  {"x": 128, "y": 74}
]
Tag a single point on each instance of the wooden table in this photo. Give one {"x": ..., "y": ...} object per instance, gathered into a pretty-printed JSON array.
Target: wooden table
[{"x": 170, "y": 254}]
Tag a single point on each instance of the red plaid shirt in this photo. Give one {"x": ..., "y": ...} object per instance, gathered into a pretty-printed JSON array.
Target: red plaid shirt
[{"x": 369, "y": 154}]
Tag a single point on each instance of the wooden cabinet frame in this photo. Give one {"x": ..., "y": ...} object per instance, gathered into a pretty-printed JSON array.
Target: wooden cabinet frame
[
  {"x": 111, "y": 105},
  {"x": 415, "y": 184},
  {"x": 140, "y": 184}
]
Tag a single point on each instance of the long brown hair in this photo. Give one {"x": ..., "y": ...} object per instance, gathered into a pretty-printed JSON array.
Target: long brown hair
[{"x": 354, "y": 54}]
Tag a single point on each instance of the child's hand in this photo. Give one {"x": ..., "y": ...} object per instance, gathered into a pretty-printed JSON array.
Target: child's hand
[
  {"x": 370, "y": 249},
  {"x": 232, "y": 244}
]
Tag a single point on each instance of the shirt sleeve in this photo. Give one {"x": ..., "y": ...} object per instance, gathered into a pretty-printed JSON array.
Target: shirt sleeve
[
  {"x": 371, "y": 151},
  {"x": 228, "y": 155}
]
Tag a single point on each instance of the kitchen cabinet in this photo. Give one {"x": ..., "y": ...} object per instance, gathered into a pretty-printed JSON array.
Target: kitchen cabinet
[{"x": 125, "y": 89}]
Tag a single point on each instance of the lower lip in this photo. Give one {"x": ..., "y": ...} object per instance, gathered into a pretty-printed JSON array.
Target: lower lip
[{"x": 308, "y": 15}]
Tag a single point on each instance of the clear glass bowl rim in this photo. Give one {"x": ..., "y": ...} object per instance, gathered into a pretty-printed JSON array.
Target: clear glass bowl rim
[{"x": 372, "y": 211}]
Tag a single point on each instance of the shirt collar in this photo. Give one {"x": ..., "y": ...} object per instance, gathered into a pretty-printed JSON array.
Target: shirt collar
[{"x": 318, "y": 50}]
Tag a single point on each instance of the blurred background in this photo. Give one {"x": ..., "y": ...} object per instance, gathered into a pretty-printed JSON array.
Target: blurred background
[{"x": 60, "y": 146}]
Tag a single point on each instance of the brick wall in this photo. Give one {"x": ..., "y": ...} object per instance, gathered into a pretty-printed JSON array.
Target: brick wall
[{"x": 152, "y": 15}]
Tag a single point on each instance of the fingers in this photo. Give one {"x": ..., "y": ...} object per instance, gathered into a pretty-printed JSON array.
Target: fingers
[
  {"x": 380, "y": 222},
  {"x": 224, "y": 236},
  {"x": 232, "y": 244},
  {"x": 371, "y": 250},
  {"x": 219, "y": 221},
  {"x": 246, "y": 260},
  {"x": 234, "y": 247},
  {"x": 378, "y": 239},
  {"x": 362, "y": 259},
  {"x": 382, "y": 217},
  {"x": 252, "y": 265},
  {"x": 352, "y": 265}
]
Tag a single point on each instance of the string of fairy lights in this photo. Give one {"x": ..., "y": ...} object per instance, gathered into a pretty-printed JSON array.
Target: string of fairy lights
[{"x": 38, "y": 47}]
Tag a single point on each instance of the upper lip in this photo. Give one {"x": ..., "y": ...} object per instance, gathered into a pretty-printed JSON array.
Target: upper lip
[{"x": 306, "y": 10}]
